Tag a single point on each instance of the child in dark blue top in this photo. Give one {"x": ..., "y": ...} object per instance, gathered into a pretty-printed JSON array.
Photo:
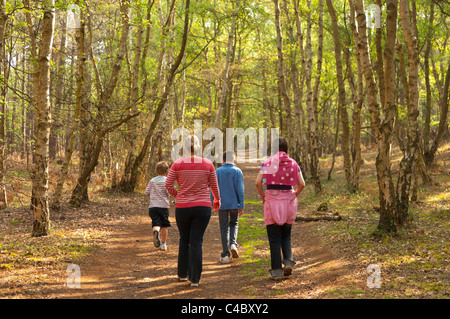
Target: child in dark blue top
[{"x": 231, "y": 188}]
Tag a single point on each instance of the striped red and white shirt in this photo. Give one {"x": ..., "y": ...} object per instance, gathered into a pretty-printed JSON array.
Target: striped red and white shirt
[
  {"x": 195, "y": 178},
  {"x": 159, "y": 196}
]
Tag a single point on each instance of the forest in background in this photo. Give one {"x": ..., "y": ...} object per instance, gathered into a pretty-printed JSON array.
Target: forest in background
[{"x": 91, "y": 90}]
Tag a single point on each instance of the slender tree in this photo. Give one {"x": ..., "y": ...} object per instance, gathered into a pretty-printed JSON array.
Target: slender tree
[
  {"x": 342, "y": 95},
  {"x": 383, "y": 130},
  {"x": 80, "y": 98},
  {"x": 92, "y": 142},
  {"x": 311, "y": 99},
  {"x": 281, "y": 77},
  {"x": 41, "y": 224},
  {"x": 129, "y": 182},
  {"x": 3, "y": 88},
  {"x": 408, "y": 161},
  {"x": 226, "y": 71}
]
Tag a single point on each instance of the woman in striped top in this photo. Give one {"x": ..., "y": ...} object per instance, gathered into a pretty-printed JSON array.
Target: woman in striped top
[{"x": 195, "y": 177}]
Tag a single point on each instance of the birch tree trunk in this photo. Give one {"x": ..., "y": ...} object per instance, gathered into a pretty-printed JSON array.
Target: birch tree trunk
[
  {"x": 310, "y": 111},
  {"x": 132, "y": 125},
  {"x": 3, "y": 88},
  {"x": 297, "y": 89},
  {"x": 129, "y": 177},
  {"x": 59, "y": 86},
  {"x": 92, "y": 142},
  {"x": 387, "y": 199},
  {"x": 301, "y": 120},
  {"x": 79, "y": 97},
  {"x": 281, "y": 78},
  {"x": 358, "y": 100},
  {"x": 408, "y": 161},
  {"x": 226, "y": 71},
  {"x": 342, "y": 96},
  {"x": 128, "y": 183},
  {"x": 41, "y": 224},
  {"x": 426, "y": 66},
  {"x": 443, "y": 120}
]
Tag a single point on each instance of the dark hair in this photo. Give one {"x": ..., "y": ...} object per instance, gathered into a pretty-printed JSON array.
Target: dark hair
[
  {"x": 282, "y": 145},
  {"x": 190, "y": 144},
  {"x": 162, "y": 168},
  {"x": 228, "y": 154}
]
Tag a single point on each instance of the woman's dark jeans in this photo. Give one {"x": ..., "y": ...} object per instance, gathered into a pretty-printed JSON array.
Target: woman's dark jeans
[
  {"x": 192, "y": 223},
  {"x": 279, "y": 242}
]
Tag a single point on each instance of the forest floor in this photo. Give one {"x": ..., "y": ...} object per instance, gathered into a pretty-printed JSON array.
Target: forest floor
[{"x": 110, "y": 239}]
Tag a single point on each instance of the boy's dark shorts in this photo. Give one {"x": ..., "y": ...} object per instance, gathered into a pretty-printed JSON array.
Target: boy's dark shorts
[{"x": 159, "y": 216}]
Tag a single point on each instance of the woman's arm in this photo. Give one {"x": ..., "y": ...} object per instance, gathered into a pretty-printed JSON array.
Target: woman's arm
[
  {"x": 259, "y": 186},
  {"x": 214, "y": 186},
  {"x": 170, "y": 181},
  {"x": 301, "y": 184}
]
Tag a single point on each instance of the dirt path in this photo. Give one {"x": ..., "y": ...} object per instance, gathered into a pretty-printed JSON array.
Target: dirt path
[{"x": 129, "y": 266}]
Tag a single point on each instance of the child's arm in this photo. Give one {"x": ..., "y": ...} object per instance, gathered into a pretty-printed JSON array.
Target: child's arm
[
  {"x": 259, "y": 186},
  {"x": 241, "y": 193},
  {"x": 147, "y": 190}
]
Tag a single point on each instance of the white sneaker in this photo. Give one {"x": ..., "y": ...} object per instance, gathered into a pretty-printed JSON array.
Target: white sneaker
[
  {"x": 163, "y": 246},
  {"x": 234, "y": 251},
  {"x": 225, "y": 260}
]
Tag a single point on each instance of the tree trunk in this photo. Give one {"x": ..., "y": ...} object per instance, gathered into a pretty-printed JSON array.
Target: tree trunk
[
  {"x": 311, "y": 112},
  {"x": 297, "y": 89},
  {"x": 131, "y": 138},
  {"x": 357, "y": 90},
  {"x": 41, "y": 224},
  {"x": 426, "y": 66},
  {"x": 129, "y": 182},
  {"x": 281, "y": 78},
  {"x": 91, "y": 142},
  {"x": 58, "y": 91},
  {"x": 380, "y": 62},
  {"x": 407, "y": 164},
  {"x": 301, "y": 119},
  {"x": 3, "y": 89},
  {"x": 429, "y": 155},
  {"x": 80, "y": 96},
  {"x": 226, "y": 71},
  {"x": 387, "y": 220},
  {"x": 336, "y": 134},
  {"x": 342, "y": 96}
]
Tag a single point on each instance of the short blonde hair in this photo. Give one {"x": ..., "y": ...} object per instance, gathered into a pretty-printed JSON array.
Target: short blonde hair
[{"x": 162, "y": 168}]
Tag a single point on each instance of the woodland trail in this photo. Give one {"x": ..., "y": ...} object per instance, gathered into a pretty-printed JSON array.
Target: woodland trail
[{"x": 128, "y": 266}]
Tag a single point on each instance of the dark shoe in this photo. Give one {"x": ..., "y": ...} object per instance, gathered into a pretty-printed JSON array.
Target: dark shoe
[
  {"x": 276, "y": 274},
  {"x": 156, "y": 240},
  {"x": 288, "y": 266}
]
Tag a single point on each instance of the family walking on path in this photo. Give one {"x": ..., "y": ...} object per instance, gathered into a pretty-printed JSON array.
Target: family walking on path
[{"x": 199, "y": 184}]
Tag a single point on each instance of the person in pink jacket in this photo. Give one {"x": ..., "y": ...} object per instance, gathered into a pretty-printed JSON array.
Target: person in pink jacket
[{"x": 280, "y": 174}]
